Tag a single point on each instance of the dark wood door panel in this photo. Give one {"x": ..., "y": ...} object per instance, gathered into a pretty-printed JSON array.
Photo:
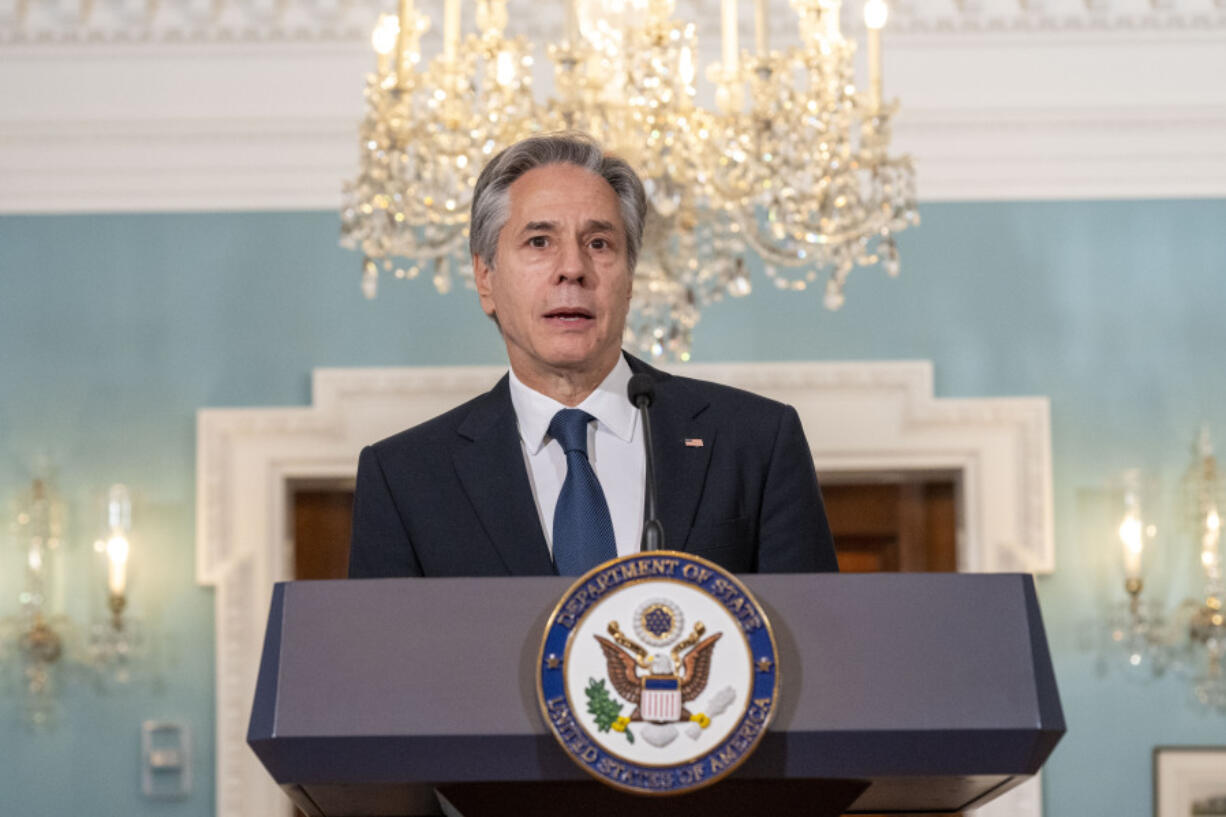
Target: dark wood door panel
[
  {"x": 890, "y": 527},
  {"x": 321, "y": 533}
]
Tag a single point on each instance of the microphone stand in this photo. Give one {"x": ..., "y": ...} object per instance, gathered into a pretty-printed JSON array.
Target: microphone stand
[{"x": 641, "y": 397}]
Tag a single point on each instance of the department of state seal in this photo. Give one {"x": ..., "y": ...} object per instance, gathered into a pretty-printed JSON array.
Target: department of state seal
[{"x": 658, "y": 672}]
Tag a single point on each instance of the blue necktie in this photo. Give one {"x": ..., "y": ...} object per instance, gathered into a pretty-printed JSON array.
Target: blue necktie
[{"x": 582, "y": 528}]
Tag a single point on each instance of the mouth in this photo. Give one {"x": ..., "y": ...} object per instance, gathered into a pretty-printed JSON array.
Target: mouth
[{"x": 569, "y": 316}]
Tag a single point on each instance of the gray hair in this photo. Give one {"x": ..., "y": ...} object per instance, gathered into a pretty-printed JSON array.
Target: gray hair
[{"x": 491, "y": 197}]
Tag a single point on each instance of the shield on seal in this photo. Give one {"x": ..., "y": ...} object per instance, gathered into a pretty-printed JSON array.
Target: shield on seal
[{"x": 661, "y": 699}]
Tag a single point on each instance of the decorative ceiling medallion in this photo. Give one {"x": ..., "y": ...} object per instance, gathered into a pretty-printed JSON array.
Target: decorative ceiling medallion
[{"x": 680, "y": 705}]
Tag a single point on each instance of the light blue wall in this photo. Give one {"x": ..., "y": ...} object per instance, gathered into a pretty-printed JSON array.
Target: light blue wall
[{"x": 114, "y": 330}]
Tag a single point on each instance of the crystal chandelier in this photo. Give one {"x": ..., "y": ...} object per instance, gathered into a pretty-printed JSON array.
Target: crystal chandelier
[{"x": 792, "y": 164}]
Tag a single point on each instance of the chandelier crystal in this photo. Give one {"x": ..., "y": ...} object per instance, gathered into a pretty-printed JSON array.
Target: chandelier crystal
[{"x": 791, "y": 166}]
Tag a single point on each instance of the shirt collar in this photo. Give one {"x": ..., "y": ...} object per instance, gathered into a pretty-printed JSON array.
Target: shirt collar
[{"x": 608, "y": 404}]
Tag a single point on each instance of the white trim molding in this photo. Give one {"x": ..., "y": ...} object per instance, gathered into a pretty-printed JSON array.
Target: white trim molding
[
  {"x": 860, "y": 418},
  {"x": 103, "y": 22}
]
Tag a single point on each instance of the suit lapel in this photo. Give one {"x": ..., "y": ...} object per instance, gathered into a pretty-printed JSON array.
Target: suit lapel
[
  {"x": 677, "y": 415},
  {"x": 490, "y": 465}
]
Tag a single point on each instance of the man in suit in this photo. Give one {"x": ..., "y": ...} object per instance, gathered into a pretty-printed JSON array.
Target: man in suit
[{"x": 545, "y": 473}]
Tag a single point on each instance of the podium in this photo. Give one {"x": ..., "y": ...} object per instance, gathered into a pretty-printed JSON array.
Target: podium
[{"x": 912, "y": 693}]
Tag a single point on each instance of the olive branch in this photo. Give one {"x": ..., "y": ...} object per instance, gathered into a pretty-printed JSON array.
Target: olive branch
[{"x": 602, "y": 707}]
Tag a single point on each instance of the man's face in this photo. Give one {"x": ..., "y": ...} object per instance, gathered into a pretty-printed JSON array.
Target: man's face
[{"x": 560, "y": 284}]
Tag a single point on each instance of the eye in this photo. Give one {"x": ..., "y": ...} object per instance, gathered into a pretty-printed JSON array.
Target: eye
[
  {"x": 539, "y": 241},
  {"x": 600, "y": 243}
]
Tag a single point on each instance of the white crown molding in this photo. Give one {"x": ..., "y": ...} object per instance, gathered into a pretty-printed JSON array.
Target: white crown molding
[
  {"x": 1037, "y": 154},
  {"x": 251, "y": 164},
  {"x": 859, "y": 418},
  {"x": 176, "y": 165},
  {"x": 256, "y": 108},
  {"x": 51, "y": 22},
  {"x": 241, "y": 126}
]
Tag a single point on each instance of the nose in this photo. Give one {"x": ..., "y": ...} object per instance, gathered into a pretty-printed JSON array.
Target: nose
[{"x": 573, "y": 264}]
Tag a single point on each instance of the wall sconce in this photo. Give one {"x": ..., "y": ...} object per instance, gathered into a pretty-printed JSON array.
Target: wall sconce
[
  {"x": 39, "y": 632},
  {"x": 1135, "y": 627},
  {"x": 1192, "y": 641},
  {"x": 41, "y": 643},
  {"x": 1200, "y": 624}
]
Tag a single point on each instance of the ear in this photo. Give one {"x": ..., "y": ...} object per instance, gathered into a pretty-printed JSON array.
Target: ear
[{"x": 485, "y": 286}]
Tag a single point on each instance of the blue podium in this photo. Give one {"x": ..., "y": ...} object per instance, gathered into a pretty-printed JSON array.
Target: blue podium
[{"x": 905, "y": 693}]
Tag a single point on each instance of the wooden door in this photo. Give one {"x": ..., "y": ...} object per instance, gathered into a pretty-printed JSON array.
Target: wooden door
[
  {"x": 321, "y": 518},
  {"x": 907, "y": 526}
]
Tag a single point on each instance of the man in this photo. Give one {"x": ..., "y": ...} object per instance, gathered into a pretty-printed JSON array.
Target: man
[{"x": 545, "y": 473}]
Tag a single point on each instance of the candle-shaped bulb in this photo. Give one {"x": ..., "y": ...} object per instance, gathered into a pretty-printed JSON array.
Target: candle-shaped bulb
[
  {"x": 875, "y": 14},
  {"x": 118, "y": 509},
  {"x": 117, "y": 551},
  {"x": 1210, "y": 559},
  {"x": 685, "y": 68},
  {"x": 571, "y": 26},
  {"x": 383, "y": 38},
  {"x": 731, "y": 22},
  {"x": 504, "y": 71},
  {"x": 759, "y": 27},
  {"x": 830, "y": 19},
  {"x": 117, "y": 548},
  {"x": 1131, "y": 535},
  {"x": 404, "y": 24},
  {"x": 451, "y": 29}
]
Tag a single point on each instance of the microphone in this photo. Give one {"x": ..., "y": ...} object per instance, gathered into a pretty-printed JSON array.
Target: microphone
[{"x": 642, "y": 391}]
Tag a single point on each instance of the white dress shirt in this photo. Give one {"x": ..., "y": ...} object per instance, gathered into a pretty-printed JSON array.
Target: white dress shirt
[{"x": 614, "y": 447}]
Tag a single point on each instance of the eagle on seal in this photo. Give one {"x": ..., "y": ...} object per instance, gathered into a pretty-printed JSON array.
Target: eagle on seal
[{"x": 690, "y": 680}]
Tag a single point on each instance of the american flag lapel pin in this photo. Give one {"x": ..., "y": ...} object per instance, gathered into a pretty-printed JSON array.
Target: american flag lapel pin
[{"x": 693, "y": 442}]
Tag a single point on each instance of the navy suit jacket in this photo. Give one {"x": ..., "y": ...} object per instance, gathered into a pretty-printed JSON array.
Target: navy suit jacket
[{"x": 451, "y": 497}]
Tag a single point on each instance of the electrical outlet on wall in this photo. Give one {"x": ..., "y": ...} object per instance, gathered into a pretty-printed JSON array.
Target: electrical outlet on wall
[{"x": 166, "y": 767}]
